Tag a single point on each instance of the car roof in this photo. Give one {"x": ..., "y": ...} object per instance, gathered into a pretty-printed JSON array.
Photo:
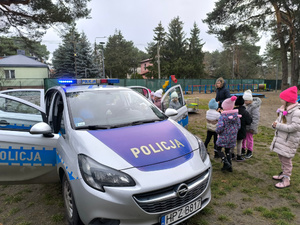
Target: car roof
[{"x": 78, "y": 88}]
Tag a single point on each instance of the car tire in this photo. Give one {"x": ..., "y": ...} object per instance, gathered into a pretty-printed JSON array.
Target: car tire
[{"x": 70, "y": 206}]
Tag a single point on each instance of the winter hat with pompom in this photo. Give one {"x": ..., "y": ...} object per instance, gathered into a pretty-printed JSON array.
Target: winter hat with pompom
[
  {"x": 213, "y": 104},
  {"x": 228, "y": 103},
  {"x": 290, "y": 94},
  {"x": 248, "y": 95}
]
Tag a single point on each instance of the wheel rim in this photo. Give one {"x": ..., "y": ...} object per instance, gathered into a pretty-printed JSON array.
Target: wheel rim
[{"x": 68, "y": 198}]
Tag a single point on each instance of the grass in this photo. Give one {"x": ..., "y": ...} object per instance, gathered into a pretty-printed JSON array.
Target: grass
[
  {"x": 248, "y": 192},
  {"x": 57, "y": 218}
]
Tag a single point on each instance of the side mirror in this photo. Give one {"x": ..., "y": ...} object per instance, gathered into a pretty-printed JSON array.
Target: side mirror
[
  {"x": 171, "y": 112},
  {"x": 41, "y": 128}
]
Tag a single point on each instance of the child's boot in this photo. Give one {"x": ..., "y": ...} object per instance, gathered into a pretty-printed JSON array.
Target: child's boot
[
  {"x": 284, "y": 183},
  {"x": 216, "y": 154},
  {"x": 240, "y": 158},
  {"x": 249, "y": 154},
  {"x": 278, "y": 177},
  {"x": 228, "y": 156},
  {"x": 226, "y": 165},
  {"x": 243, "y": 151}
]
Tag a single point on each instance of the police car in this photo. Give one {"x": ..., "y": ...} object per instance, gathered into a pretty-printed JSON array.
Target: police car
[
  {"x": 120, "y": 159},
  {"x": 182, "y": 112}
]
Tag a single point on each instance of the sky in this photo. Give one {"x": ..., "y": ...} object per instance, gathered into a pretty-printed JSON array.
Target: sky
[{"x": 136, "y": 19}]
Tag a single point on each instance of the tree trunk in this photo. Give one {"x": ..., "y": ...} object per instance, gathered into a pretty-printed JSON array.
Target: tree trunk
[
  {"x": 296, "y": 75},
  {"x": 283, "y": 48}
]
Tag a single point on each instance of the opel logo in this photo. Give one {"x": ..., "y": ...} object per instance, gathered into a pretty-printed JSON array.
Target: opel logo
[{"x": 182, "y": 190}]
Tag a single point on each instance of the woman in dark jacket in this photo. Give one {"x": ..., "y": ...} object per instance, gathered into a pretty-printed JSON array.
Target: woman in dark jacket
[
  {"x": 246, "y": 119},
  {"x": 222, "y": 92}
]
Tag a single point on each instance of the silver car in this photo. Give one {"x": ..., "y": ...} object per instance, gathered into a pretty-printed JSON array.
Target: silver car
[{"x": 120, "y": 159}]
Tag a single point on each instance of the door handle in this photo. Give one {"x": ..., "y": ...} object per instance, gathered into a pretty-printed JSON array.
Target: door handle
[{"x": 3, "y": 122}]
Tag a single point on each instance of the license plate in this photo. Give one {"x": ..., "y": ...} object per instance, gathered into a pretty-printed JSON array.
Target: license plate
[{"x": 181, "y": 213}]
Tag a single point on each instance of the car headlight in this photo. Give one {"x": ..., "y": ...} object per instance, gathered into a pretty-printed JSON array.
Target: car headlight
[
  {"x": 202, "y": 149},
  {"x": 97, "y": 175}
]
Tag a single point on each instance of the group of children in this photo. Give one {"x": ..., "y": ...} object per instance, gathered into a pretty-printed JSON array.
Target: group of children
[{"x": 235, "y": 123}]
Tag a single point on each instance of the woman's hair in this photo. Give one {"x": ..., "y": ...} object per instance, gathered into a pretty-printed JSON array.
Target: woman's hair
[{"x": 221, "y": 80}]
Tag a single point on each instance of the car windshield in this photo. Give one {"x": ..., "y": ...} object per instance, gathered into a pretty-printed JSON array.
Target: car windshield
[{"x": 105, "y": 109}]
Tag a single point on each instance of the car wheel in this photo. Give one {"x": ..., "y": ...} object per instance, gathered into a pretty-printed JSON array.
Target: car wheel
[{"x": 70, "y": 206}]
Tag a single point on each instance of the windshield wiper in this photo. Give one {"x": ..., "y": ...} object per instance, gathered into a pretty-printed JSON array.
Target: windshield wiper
[
  {"x": 93, "y": 127},
  {"x": 138, "y": 122},
  {"x": 102, "y": 127}
]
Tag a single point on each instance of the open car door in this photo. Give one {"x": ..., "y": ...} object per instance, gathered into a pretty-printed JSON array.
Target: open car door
[
  {"x": 180, "y": 105},
  {"x": 35, "y": 96},
  {"x": 142, "y": 90},
  {"x": 24, "y": 158}
]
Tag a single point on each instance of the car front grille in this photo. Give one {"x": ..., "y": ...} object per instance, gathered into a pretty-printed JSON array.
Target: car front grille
[{"x": 166, "y": 199}]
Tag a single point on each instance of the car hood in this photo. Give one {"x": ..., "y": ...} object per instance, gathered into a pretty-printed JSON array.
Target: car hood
[{"x": 148, "y": 147}]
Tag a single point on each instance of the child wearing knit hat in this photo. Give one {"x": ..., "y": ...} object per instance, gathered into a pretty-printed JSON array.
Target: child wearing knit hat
[
  {"x": 227, "y": 128},
  {"x": 157, "y": 98},
  {"x": 252, "y": 106},
  {"x": 287, "y": 134},
  {"x": 212, "y": 116},
  {"x": 174, "y": 103},
  {"x": 246, "y": 119}
]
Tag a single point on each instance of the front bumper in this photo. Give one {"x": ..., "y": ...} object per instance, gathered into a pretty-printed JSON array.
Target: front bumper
[{"x": 132, "y": 206}]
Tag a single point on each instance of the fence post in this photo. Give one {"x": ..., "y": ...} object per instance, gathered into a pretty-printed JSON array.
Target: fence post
[
  {"x": 192, "y": 89},
  {"x": 199, "y": 88}
]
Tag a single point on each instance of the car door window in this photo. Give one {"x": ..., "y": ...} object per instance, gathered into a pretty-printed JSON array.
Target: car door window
[
  {"x": 17, "y": 116},
  {"x": 170, "y": 102},
  {"x": 142, "y": 90},
  {"x": 57, "y": 115},
  {"x": 35, "y": 96}
]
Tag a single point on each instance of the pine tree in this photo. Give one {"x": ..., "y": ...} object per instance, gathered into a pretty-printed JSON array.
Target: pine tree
[
  {"x": 195, "y": 56},
  {"x": 176, "y": 46},
  {"x": 84, "y": 58},
  {"x": 74, "y": 56},
  {"x": 156, "y": 50},
  {"x": 119, "y": 56}
]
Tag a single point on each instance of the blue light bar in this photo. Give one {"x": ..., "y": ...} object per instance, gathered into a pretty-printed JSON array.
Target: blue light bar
[
  {"x": 67, "y": 81},
  {"x": 113, "y": 81}
]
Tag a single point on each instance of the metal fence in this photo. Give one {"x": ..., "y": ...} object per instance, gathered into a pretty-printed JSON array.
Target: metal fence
[
  {"x": 21, "y": 83},
  {"x": 188, "y": 85}
]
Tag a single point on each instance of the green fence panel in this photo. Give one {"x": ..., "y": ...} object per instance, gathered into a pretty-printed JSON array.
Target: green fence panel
[
  {"x": 22, "y": 83},
  {"x": 188, "y": 85}
]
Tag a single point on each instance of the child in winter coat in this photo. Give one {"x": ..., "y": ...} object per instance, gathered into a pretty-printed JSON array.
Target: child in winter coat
[
  {"x": 212, "y": 117},
  {"x": 287, "y": 134},
  {"x": 252, "y": 106},
  {"x": 246, "y": 119},
  {"x": 157, "y": 98},
  {"x": 174, "y": 104},
  {"x": 227, "y": 128}
]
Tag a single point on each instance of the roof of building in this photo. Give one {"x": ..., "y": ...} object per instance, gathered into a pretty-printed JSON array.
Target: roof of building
[
  {"x": 21, "y": 61},
  {"x": 145, "y": 60}
]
